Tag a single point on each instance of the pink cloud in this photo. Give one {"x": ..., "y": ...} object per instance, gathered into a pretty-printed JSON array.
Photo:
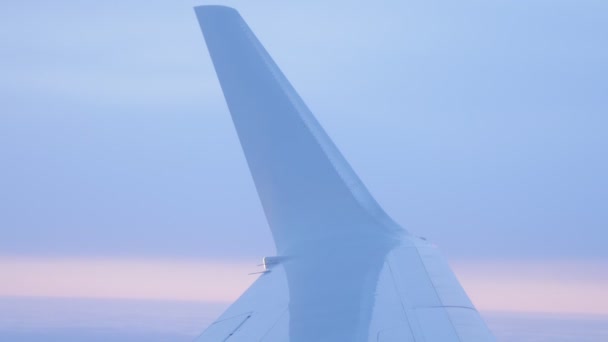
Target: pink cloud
[{"x": 555, "y": 286}]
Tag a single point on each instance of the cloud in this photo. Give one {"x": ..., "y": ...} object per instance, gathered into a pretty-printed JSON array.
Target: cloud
[
  {"x": 536, "y": 286},
  {"x": 124, "y": 278},
  {"x": 523, "y": 286}
]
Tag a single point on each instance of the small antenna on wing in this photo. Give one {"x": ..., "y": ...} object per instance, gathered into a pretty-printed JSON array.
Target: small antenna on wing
[{"x": 269, "y": 262}]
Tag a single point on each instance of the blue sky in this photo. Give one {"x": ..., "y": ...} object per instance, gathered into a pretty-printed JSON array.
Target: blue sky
[{"x": 480, "y": 125}]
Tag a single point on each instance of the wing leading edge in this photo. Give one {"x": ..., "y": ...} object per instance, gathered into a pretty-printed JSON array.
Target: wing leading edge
[{"x": 347, "y": 271}]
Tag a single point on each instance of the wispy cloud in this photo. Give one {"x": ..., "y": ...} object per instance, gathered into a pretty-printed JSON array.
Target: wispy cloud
[
  {"x": 124, "y": 278},
  {"x": 523, "y": 286},
  {"x": 537, "y": 286}
]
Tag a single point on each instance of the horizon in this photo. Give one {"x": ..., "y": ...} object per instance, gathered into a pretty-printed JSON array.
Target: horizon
[{"x": 71, "y": 319}]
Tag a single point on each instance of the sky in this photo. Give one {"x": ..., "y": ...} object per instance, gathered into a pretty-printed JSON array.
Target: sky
[{"x": 480, "y": 125}]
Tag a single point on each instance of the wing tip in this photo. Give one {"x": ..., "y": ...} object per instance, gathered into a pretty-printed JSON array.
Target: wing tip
[
  {"x": 213, "y": 9},
  {"x": 212, "y": 16}
]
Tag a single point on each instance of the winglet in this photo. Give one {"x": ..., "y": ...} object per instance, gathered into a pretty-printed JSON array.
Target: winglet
[{"x": 306, "y": 187}]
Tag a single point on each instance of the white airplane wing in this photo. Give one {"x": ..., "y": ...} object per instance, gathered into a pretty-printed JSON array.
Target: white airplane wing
[{"x": 345, "y": 271}]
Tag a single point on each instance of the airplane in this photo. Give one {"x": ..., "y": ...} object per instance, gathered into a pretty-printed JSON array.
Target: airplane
[{"x": 344, "y": 271}]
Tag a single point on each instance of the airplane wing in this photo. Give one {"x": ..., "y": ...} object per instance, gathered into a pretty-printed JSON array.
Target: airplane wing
[{"x": 344, "y": 270}]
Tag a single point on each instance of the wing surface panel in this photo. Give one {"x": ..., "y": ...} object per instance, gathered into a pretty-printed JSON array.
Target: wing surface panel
[
  {"x": 413, "y": 300},
  {"x": 255, "y": 313},
  {"x": 436, "y": 305}
]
